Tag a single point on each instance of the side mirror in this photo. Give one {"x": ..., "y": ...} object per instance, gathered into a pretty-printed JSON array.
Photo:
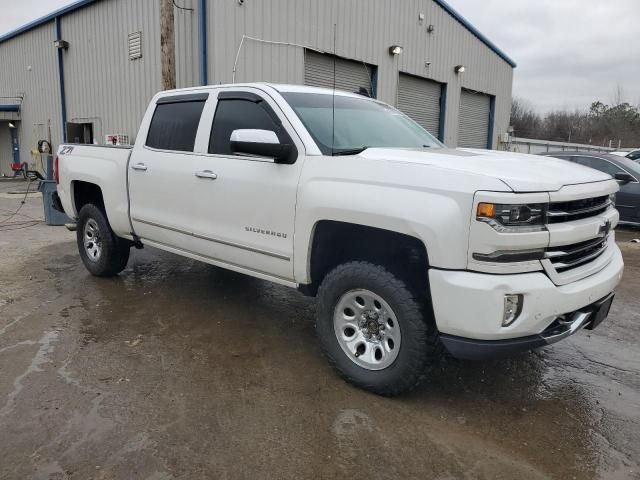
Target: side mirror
[
  {"x": 262, "y": 143},
  {"x": 623, "y": 178}
]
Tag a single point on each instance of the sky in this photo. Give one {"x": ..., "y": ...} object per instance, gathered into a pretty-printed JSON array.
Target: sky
[{"x": 569, "y": 52}]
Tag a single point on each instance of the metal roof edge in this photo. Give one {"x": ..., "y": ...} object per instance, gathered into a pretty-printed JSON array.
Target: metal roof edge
[
  {"x": 465, "y": 23},
  {"x": 46, "y": 18}
]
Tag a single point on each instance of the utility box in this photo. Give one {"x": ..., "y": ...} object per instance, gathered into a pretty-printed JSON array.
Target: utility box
[{"x": 52, "y": 216}]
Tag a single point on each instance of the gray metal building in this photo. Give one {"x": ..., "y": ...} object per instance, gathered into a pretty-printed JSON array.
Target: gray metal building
[{"x": 98, "y": 78}]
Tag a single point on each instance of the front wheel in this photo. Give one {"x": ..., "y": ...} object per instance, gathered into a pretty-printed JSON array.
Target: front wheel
[
  {"x": 373, "y": 329},
  {"x": 103, "y": 253}
]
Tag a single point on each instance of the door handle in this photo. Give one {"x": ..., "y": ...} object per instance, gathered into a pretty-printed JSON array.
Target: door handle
[
  {"x": 139, "y": 166},
  {"x": 206, "y": 174}
]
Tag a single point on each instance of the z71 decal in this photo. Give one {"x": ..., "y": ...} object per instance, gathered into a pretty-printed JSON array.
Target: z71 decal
[{"x": 65, "y": 150}]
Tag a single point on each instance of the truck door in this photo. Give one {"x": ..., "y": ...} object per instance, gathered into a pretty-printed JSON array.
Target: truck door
[
  {"x": 245, "y": 209},
  {"x": 161, "y": 171}
]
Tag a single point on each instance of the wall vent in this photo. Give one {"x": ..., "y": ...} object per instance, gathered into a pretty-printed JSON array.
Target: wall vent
[{"x": 134, "y": 41}]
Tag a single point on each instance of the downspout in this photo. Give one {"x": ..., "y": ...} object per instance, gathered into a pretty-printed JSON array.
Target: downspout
[
  {"x": 63, "y": 97},
  {"x": 443, "y": 112},
  {"x": 492, "y": 117},
  {"x": 202, "y": 37}
]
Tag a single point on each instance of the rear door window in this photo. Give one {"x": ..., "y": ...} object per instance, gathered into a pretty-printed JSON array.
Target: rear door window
[{"x": 174, "y": 124}]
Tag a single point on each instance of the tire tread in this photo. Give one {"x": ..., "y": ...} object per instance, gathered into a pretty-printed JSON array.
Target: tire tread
[{"x": 426, "y": 345}]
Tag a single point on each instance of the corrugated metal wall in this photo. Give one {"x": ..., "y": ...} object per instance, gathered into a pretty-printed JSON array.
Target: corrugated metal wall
[
  {"x": 103, "y": 86},
  {"x": 364, "y": 29},
  {"x": 29, "y": 67},
  {"x": 187, "y": 47},
  {"x": 107, "y": 89}
]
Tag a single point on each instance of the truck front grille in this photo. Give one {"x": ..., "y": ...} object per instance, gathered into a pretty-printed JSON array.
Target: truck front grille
[
  {"x": 567, "y": 257},
  {"x": 577, "y": 209}
]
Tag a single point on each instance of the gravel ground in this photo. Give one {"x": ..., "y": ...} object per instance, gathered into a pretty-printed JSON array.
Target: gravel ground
[{"x": 176, "y": 369}]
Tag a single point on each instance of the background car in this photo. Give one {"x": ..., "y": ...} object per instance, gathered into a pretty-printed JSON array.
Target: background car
[
  {"x": 623, "y": 169},
  {"x": 634, "y": 155}
]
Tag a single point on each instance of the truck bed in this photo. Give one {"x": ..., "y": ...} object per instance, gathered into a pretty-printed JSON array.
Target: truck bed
[{"x": 105, "y": 166}]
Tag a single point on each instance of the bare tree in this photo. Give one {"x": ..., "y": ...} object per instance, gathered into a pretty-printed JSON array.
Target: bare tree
[
  {"x": 524, "y": 119},
  {"x": 618, "y": 122}
]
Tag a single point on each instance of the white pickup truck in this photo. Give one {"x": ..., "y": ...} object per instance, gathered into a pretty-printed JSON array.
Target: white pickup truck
[{"x": 410, "y": 247}]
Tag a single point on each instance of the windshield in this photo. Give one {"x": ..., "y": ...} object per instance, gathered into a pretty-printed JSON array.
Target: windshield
[{"x": 359, "y": 123}]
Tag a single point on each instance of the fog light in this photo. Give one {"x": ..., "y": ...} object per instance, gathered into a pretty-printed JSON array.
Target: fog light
[{"x": 512, "y": 308}]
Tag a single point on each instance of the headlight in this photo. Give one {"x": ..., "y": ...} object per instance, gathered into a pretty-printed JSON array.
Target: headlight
[{"x": 513, "y": 217}]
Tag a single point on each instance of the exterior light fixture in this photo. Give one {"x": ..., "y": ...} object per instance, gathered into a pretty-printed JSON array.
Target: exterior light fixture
[
  {"x": 395, "y": 50},
  {"x": 12, "y": 125},
  {"x": 459, "y": 69},
  {"x": 61, "y": 44}
]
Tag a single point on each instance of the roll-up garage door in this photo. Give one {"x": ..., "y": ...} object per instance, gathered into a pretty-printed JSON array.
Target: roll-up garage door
[
  {"x": 419, "y": 99},
  {"x": 473, "y": 122},
  {"x": 350, "y": 74}
]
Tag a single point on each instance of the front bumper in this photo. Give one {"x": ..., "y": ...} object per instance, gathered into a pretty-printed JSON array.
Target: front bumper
[
  {"x": 470, "y": 305},
  {"x": 588, "y": 317}
]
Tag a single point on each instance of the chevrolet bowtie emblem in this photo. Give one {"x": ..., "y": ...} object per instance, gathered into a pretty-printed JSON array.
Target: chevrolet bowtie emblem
[{"x": 605, "y": 229}]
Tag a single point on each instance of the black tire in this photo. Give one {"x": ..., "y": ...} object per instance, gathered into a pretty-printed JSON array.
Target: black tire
[
  {"x": 114, "y": 253},
  {"x": 419, "y": 336}
]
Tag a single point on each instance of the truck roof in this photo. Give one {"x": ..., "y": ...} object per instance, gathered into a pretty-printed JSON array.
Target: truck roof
[{"x": 280, "y": 87}]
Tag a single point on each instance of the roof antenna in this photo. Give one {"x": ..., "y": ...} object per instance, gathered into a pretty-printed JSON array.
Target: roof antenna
[{"x": 333, "y": 99}]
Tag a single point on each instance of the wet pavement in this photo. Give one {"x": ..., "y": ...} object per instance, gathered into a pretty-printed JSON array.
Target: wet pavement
[{"x": 177, "y": 369}]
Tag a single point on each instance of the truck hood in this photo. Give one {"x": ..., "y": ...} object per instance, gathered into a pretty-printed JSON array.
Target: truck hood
[{"x": 520, "y": 172}]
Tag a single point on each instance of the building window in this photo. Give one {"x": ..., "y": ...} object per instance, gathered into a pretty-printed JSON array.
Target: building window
[{"x": 80, "y": 133}]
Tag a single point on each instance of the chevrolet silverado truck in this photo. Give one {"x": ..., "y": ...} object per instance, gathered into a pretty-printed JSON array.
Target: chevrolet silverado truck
[{"x": 409, "y": 247}]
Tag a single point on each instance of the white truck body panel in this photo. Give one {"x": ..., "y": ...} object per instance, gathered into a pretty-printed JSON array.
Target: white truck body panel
[
  {"x": 259, "y": 217},
  {"x": 102, "y": 166}
]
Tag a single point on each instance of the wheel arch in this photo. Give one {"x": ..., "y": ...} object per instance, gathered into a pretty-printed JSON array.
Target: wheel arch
[
  {"x": 335, "y": 242},
  {"x": 83, "y": 193}
]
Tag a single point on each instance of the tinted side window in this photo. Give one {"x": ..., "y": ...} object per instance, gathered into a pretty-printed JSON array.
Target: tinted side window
[
  {"x": 174, "y": 126},
  {"x": 634, "y": 155},
  {"x": 234, "y": 114},
  {"x": 601, "y": 165}
]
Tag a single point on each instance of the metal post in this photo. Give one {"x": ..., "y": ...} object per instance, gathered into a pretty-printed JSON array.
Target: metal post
[
  {"x": 202, "y": 36},
  {"x": 63, "y": 98}
]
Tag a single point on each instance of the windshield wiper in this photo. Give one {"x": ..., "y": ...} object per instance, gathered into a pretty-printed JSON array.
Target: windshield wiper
[{"x": 348, "y": 151}]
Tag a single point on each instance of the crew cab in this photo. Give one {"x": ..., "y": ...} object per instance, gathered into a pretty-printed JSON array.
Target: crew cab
[{"x": 409, "y": 247}]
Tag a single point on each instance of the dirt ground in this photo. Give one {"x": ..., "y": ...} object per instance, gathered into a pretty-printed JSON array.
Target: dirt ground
[{"x": 178, "y": 370}]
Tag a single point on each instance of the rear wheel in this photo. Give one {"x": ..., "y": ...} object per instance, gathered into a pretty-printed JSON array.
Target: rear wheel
[
  {"x": 102, "y": 252},
  {"x": 373, "y": 329}
]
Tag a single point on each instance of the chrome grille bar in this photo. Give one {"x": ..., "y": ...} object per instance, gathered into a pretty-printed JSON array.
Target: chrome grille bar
[
  {"x": 571, "y": 256},
  {"x": 577, "y": 209}
]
